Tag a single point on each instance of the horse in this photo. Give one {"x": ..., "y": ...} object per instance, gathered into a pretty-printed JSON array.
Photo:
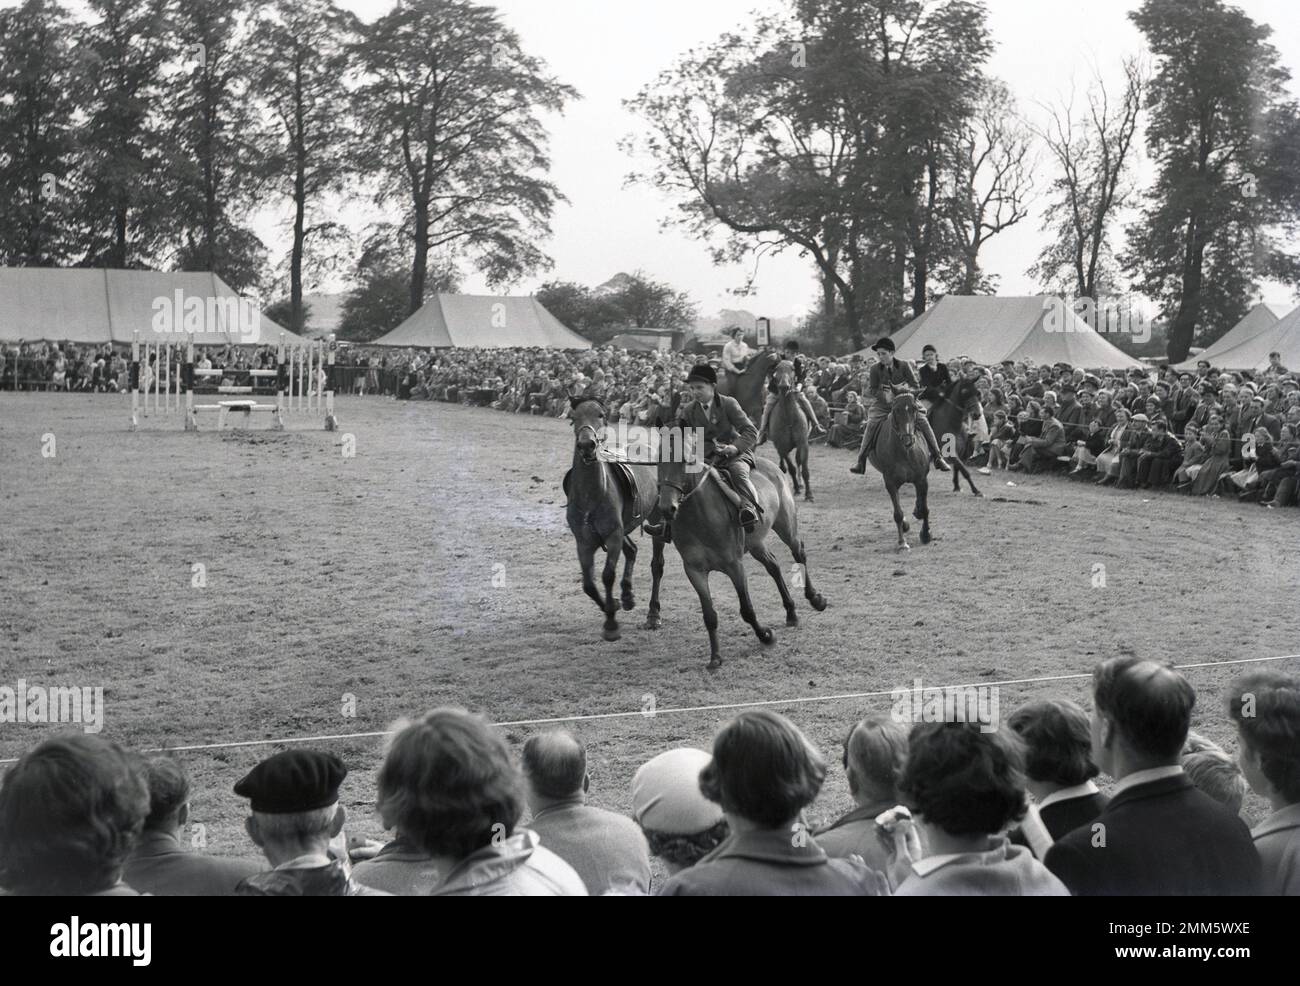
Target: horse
[
  {"x": 602, "y": 510},
  {"x": 709, "y": 537},
  {"x": 788, "y": 427},
  {"x": 747, "y": 388},
  {"x": 900, "y": 458},
  {"x": 948, "y": 417}
]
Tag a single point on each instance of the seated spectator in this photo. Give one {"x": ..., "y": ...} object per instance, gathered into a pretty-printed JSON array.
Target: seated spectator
[
  {"x": 1159, "y": 835},
  {"x": 160, "y": 864},
  {"x": 608, "y": 850},
  {"x": 849, "y": 434},
  {"x": 294, "y": 816},
  {"x": 1108, "y": 458},
  {"x": 1002, "y": 437},
  {"x": 1059, "y": 771},
  {"x": 1087, "y": 449},
  {"x": 1218, "y": 463},
  {"x": 1265, "y": 706},
  {"x": 764, "y": 773},
  {"x": 1134, "y": 444},
  {"x": 1160, "y": 456},
  {"x": 1194, "y": 455},
  {"x": 71, "y": 810},
  {"x": 874, "y": 753},
  {"x": 965, "y": 787},
  {"x": 681, "y": 825},
  {"x": 451, "y": 792},
  {"x": 1039, "y": 453},
  {"x": 1211, "y": 769}
]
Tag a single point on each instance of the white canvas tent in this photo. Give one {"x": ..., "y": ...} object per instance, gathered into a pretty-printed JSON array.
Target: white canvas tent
[
  {"x": 1264, "y": 329},
  {"x": 483, "y": 321}
]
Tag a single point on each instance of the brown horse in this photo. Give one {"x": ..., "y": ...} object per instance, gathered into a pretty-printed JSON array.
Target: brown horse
[
  {"x": 601, "y": 512},
  {"x": 900, "y": 458},
  {"x": 747, "y": 388},
  {"x": 948, "y": 419},
  {"x": 789, "y": 429},
  {"x": 709, "y": 538}
]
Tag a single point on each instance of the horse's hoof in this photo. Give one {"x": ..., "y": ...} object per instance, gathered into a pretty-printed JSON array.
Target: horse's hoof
[
  {"x": 818, "y": 602},
  {"x": 651, "y": 623},
  {"x": 715, "y": 662},
  {"x": 978, "y": 493},
  {"x": 612, "y": 635},
  {"x": 808, "y": 497},
  {"x": 904, "y": 547},
  {"x": 765, "y": 635},
  {"x": 792, "y": 620},
  {"x": 628, "y": 603},
  {"x": 925, "y": 537}
]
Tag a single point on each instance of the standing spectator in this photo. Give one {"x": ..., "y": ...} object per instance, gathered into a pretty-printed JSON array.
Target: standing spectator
[
  {"x": 294, "y": 815},
  {"x": 1265, "y": 706},
  {"x": 1159, "y": 835},
  {"x": 965, "y": 786},
  {"x": 70, "y": 812},
  {"x": 764, "y": 773},
  {"x": 608, "y": 850},
  {"x": 1209, "y": 767},
  {"x": 681, "y": 825},
  {"x": 449, "y": 789},
  {"x": 874, "y": 753},
  {"x": 160, "y": 864},
  {"x": 1060, "y": 771}
]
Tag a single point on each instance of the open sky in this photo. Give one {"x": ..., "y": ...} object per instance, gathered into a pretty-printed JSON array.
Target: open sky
[{"x": 608, "y": 51}]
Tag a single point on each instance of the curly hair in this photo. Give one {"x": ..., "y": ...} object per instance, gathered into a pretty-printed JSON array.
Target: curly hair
[
  {"x": 70, "y": 812},
  {"x": 1266, "y": 708},
  {"x": 448, "y": 784},
  {"x": 964, "y": 780},
  {"x": 686, "y": 850},
  {"x": 763, "y": 769},
  {"x": 1058, "y": 742}
]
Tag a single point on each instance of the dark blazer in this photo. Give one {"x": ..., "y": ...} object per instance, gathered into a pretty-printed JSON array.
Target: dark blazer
[
  {"x": 1073, "y": 420},
  {"x": 725, "y": 424},
  {"x": 881, "y": 382},
  {"x": 767, "y": 863},
  {"x": 160, "y": 865},
  {"x": 1062, "y": 817},
  {"x": 935, "y": 383},
  {"x": 1161, "y": 839}
]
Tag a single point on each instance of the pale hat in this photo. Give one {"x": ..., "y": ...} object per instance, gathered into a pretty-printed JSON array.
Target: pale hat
[{"x": 666, "y": 794}]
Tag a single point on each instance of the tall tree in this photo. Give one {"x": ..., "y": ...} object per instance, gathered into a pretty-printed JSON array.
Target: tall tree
[
  {"x": 38, "y": 187},
  {"x": 1225, "y": 136},
  {"x": 303, "y": 52},
  {"x": 380, "y": 296},
  {"x": 213, "y": 160},
  {"x": 1092, "y": 151},
  {"x": 451, "y": 108},
  {"x": 120, "y": 57}
]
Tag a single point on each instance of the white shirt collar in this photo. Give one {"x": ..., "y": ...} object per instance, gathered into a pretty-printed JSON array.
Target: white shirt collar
[
  {"x": 926, "y": 866},
  {"x": 1066, "y": 793},
  {"x": 1145, "y": 777},
  {"x": 307, "y": 861}
]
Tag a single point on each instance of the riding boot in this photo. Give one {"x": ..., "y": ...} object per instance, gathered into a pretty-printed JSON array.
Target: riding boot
[
  {"x": 936, "y": 455},
  {"x": 750, "y": 510},
  {"x": 762, "y": 425},
  {"x": 815, "y": 430},
  {"x": 861, "y": 467},
  {"x": 657, "y": 527}
]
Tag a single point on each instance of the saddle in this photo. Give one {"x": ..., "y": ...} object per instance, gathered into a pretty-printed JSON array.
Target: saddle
[{"x": 639, "y": 501}]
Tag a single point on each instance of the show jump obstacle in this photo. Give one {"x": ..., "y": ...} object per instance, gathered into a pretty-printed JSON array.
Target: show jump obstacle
[{"x": 298, "y": 384}]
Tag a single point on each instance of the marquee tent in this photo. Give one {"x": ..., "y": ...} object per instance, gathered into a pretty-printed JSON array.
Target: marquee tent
[
  {"x": 482, "y": 321},
  {"x": 96, "y": 306},
  {"x": 1264, "y": 329},
  {"x": 990, "y": 329}
]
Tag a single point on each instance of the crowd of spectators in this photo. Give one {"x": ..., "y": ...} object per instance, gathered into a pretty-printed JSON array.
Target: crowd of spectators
[{"x": 940, "y": 808}]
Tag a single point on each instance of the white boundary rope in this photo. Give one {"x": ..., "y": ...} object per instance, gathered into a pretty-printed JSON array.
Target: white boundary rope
[{"x": 681, "y": 710}]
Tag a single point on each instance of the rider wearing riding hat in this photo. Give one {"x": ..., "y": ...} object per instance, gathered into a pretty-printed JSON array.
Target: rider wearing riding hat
[
  {"x": 729, "y": 439},
  {"x": 888, "y": 378},
  {"x": 791, "y": 356}
]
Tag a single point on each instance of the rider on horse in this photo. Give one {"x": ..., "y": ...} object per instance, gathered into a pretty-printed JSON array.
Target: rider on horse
[
  {"x": 791, "y": 356},
  {"x": 729, "y": 438},
  {"x": 736, "y": 354},
  {"x": 888, "y": 377}
]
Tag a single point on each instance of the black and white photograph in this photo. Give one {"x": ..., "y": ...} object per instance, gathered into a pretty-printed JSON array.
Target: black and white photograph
[{"x": 735, "y": 448}]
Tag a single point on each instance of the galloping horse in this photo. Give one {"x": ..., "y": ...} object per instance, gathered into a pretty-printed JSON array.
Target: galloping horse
[
  {"x": 710, "y": 539},
  {"x": 748, "y": 387},
  {"x": 600, "y": 512},
  {"x": 789, "y": 429},
  {"x": 948, "y": 417},
  {"x": 900, "y": 459}
]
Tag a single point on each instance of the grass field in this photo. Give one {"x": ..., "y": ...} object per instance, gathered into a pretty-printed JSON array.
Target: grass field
[{"x": 434, "y": 567}]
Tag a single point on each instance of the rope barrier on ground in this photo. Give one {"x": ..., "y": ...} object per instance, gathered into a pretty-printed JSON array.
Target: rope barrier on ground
[{"x": 679, "y": 710}]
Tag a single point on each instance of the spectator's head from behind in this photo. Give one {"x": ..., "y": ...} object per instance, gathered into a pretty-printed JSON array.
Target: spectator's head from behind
[
  {"x": 555, "y": 767},
  {"x": 681, "y": 825},
  {"x": 1214, "y": 772},
  {"x": 764, "y": 772},
  {"x": 447, "y": 784},
  {"x": 1142, "y": 711},
  {"x": 1266, "y": 709},
  {"x": 963, "y": 784},
  {"x": 1057, "y": 745},
  {"x": 70, "y": 812},
  {"x": 874, "y": 753},
  {"x": 294, "y": 805},
  {"x": 169, "y": 794}
]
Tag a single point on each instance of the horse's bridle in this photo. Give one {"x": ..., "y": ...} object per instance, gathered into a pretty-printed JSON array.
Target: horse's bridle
[
  {"x": 906, "y": 438},
  {"x": 596, "y": 442}
]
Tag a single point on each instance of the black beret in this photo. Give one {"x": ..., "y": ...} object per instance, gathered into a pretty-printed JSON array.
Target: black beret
[{"x": 293, "y": 781}]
